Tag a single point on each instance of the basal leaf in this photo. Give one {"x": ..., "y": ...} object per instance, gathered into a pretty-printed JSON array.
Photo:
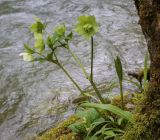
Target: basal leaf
[
  {"x": 111, "y": 108},
  {"x": 118, "y": 66},
  {"x": 78, "y": 127}
]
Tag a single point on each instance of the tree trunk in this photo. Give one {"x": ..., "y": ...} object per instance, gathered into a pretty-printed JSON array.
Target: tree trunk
[{"x": 147, "y": 125}]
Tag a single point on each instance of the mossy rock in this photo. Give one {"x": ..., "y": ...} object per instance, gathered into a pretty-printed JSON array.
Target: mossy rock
[{"x": 61, "y": 132}]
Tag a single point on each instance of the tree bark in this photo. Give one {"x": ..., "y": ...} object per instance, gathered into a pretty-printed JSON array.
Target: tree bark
[{"x": 149, "y": 14}]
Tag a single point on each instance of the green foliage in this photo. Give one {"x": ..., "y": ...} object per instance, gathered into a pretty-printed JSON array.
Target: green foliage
[
  {"x": 28, "y": 49},
  {"x": 119, "y": 70},
  {"x": 78, "y": 128},
  {"x": 39, "y": 43},
  {"x": 97, "y": 121},
  {"x": 61, "y": 131},
  {"x": 87, "y": 116},
  {"x": 111, "y": 108},
  {"x": 97, "y": 125},
  {"x": 45, "y": 49},
  {"x": 87, "y": 26},
  {"x": 60, "y": 30},
  {"x": 145, "y": 84},
  {"x": 38, "y": 26}
]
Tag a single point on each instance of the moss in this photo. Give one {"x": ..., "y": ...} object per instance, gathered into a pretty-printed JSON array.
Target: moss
[
  {"x": 146, "y": 118},
  {"x": 128, "y": 101},
  {"x": 138, "y": 130},
  {"x": 61, "y": 132}
]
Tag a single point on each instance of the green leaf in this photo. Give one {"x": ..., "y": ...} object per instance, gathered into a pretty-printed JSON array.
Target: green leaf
[
  {"x": 108, "y": 137},
  {"x": 78, "y": 128},
  {"x": 50, "y": 42},
  {"x": 90, "y": 115},
  {"x": 41, "y": 60},
  {"x": 50, "y": 56},
  {"x": 111, "y": 108},
  {"x": 69, "y": 37},
  {"x": 28, "y": 49},
  {"x": 109, "y": 133},
  {"x": 120, "y": 120},
  {"x": 96, "y": 124},
  {"x": 39, "y": 43},
  {"x": 118, "y": 66},
  {"x": 118, "y": 130},
  {"x": 92, "y": 138},
  {"x": 37, "y": 27}
]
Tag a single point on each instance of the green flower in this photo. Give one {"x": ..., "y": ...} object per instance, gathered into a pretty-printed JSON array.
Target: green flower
[
  {"x": 27, "y": 56},
  {"x": 87, "y": 26},
  {"x": 60, "y": 30}
]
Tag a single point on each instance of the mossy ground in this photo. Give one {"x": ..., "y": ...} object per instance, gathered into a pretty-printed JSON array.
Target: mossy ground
[
  {"x": 147, "y": 120},
  {"x": 61, "y": 132}
]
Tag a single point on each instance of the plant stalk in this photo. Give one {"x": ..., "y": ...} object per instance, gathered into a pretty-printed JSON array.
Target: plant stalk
[
  {"x": 92, "y": 51},
  {"x": 97, "y": 92},
  {"x": 85, "y": 73},
  {"x": 78, "y": 62},
  {"x": 121, "y": 93},
  {"x": 69, "y": 76},
  {"x": 74, "y": 82}
]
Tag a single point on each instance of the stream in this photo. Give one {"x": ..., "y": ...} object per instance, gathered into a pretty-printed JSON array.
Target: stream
[{"x": 34, "y": 97}]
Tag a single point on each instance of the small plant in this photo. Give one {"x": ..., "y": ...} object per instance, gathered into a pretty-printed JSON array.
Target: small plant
[
  {"x": 88, "y": 27},
  {"x": 119, "y": 70},
  {"x": 101, "y": 121},
  {"x": 45, "y": 49},
  {"x": 145, "y": 80},
  {"x": 97, "y": 121}
]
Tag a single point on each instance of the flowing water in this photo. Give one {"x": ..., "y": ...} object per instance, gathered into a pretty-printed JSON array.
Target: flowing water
[{"x": 33, "y": 97}]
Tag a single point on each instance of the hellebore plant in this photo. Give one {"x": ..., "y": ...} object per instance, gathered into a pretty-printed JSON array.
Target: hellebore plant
[
  {"x": 88, "y": 27},
  {"x": 45, "y": 50}
]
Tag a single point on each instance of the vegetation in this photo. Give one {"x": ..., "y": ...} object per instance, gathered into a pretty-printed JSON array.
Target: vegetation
[
  {"x": 98, "y": 120},
  {"x": 147, "y": 116},
  {"x": 119, "y": 71},
  {"x": 61, "y": 132}
]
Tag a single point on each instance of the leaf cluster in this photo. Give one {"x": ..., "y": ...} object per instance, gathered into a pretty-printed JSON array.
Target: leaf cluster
[
  {"x": 45, "y": 44},
  {"x": 101, "y": 122}
]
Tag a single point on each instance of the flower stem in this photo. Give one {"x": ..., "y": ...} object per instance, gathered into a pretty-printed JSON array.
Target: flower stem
[
  {"x": 74, "y": 82},
  {"x": 121, "y": 93},
  {"x": 85, "y": 73},
  {"x": 92, "y": 51},
  {"x": 97, "y": 92},
  {"x": 78, "y": 62}
]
